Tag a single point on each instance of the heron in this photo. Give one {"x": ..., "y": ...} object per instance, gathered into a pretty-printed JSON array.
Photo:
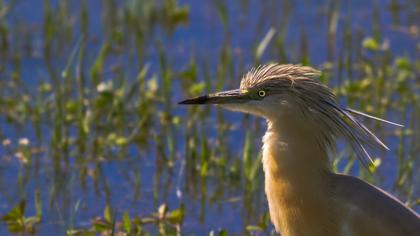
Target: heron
[{"x": 304, "y": 120}]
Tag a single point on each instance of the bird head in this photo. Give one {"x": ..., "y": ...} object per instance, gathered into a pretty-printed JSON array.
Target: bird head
[
  {"x": 289, "y": 91},
  {"x": 271, "y": 91}
]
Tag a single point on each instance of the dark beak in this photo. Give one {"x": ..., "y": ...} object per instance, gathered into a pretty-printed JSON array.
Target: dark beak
[{"x": 231, "y": 96}]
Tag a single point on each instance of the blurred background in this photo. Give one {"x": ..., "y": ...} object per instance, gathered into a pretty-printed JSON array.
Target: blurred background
[{"x": 93, "y": 141}]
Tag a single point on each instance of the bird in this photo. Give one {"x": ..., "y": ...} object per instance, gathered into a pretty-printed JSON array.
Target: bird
[{"x": 304, "y": 120}]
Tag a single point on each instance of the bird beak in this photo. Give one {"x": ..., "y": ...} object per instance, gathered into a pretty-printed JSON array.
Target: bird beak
[{"x": 226, "y": 97}]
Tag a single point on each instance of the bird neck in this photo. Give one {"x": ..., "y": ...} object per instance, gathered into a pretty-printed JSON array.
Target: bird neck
[
  {"x": 295, "y": 149},
  {"x": 297, "y": 179}
]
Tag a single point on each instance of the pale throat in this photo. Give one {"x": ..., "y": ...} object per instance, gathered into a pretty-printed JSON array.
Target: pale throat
[
  {"x": 297, "y": 176},
  {"x": 292, "y": 146}
]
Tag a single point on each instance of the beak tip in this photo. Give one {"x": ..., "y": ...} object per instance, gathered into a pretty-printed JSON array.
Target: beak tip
[
  {"x": 194, "y": 101},
  {"x": 184, "y": 102}
]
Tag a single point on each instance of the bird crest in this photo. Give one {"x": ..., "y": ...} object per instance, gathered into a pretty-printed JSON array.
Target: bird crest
[{"x": 272, "y": 72}]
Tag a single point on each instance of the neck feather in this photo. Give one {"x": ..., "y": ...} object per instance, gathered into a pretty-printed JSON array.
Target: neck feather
[
  {"x": 297, "y": 179},
  {"x": 295, "y": 147}
]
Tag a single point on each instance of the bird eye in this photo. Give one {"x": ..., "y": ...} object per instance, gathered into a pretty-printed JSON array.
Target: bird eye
[{"x": 261, "y": 93}]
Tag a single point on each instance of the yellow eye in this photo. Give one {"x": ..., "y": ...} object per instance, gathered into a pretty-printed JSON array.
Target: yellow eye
[{"x": 261, "y": 93}]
